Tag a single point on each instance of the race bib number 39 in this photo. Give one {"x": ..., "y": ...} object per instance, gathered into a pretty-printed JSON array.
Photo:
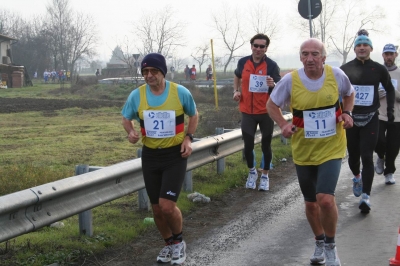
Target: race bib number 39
[
  {"x": 258, "y": 83},
  {"x": 364, "y": 95},
  {"x": 159, "y": 124},
  {"x": 319, "y": 123}
]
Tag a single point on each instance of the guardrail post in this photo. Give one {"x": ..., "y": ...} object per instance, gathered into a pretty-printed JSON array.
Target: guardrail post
[
  {"x": 85, "y": 218},
  {"x": 220, "y": 162},
  {"x": 188, "y": 182},
  {"x": 143, "y": 198}
]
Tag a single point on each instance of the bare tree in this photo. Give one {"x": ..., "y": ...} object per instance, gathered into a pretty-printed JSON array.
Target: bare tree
[
  {"x": 264, "y": 20},
  {"x": 229, "y": 25},
  {"x": 72, "y": 35},
  {"x": 31, "y": 49},
  {"x": 201, "y": 54},
  {"x": 179, "y": 63},
  {"x": 10, "y": 23},
  {"x": 160, "y": 32},
  {"x": 352, "y": 20},
  {"x": 321, "y": 24},
  {"x": 82, "y": 40}
]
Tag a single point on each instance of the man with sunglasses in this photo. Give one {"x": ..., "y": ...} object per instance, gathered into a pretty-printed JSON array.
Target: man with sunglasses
[
  {"x": 159, "y": 106},
  {"x": 254, "y": 79}
]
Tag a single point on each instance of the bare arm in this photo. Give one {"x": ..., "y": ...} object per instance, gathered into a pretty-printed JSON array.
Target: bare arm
[
  {"x": 186, "y": 147},
  {"x": 348, "y": 104},
  {"x": 133, "y": 136},
  {"x": 275, "y": 113},
  {"x": 236, "y": 88}
]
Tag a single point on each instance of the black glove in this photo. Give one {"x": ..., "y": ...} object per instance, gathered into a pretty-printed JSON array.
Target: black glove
[{"x": 390, "y": 116}]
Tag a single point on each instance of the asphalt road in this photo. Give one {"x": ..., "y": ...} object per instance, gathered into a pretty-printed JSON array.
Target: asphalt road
[{"x": 274, "y": 231}]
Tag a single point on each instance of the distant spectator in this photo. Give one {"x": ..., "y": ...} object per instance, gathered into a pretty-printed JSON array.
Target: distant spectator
[
  {"x": 193, "y": 73},
  {"x": 97, "y": 73},
  {"x": 35, "y": 75},
  {"x": 46, "y": 76},
  {"x": 172, "y": 69},
  {"x": 68, "y": 75},
  {"x": 209, "y": 72},
  {"x": 60, "y": 74},
  {"x": 53, "y": 75},
  {"x": 187, "y": 72}
]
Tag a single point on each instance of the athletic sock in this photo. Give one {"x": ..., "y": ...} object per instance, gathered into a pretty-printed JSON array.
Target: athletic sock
[
  {"x": 320, "y": 237},
  {"x": 177, "y": 237},
  {"x": 329, "y": 239},
  {"x": 169, "y": 240}
]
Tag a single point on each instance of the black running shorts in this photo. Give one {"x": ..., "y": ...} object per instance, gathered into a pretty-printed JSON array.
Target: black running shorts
[{"x": 164, "y": 171}]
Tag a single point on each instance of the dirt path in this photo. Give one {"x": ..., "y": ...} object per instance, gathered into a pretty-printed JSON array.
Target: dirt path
[{"x": 201, "y": 222}]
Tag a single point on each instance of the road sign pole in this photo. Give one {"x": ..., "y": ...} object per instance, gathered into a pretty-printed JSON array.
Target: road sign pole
[{"x": 310, "y": 17}]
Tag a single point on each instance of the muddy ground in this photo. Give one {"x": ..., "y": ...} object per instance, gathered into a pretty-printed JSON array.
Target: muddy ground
[{"x": 15, "y": 105}]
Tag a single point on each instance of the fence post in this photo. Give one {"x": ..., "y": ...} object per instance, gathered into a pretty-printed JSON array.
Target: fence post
[
  {"x": 220, "y": 162},
  {"x": 85, "y": 218},
  {"x": 143, "y": 198}
]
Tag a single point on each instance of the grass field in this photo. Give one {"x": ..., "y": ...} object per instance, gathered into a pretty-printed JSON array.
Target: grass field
[{"x": 37, "y": 148}]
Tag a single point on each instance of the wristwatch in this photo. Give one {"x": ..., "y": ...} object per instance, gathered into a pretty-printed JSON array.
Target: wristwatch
[
  {"x": 348, "y": 112},
  {"x": 190, "y": 136}
]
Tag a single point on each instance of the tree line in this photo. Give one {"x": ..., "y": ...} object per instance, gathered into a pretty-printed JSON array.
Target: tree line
[{"x": 63, "y": 36}]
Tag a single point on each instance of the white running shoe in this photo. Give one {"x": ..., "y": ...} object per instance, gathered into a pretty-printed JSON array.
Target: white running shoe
[
  {"x": 165, "y": 254},
  {"x": 365, "y": 205},
  {"x": 379, "y": 166},
  {"x": 389, "y": 179},
  {"x": 318, "y": 257},
  {"x": 178, "y": 253},
  {"x": 331, "y": 256},
  {"x": 251, "y": 180},
  {"x": 264, "y": 183}
]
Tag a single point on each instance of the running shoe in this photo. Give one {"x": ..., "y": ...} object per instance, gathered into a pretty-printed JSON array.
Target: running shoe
[
  {"x": 165, "y": 254},
  {"x": 365, "y": 205},
  {"x": 357, "y": 186},
  {"x": 318, "y": 257},
  {"x": 251, "y": 180},
  {"x": 264, "y": 183},
  {"x": 379, "y": 166},
  {"x": 331, "y": 256},
  {"x": 389, "y": 179},
  {"x": 178, "y": 253}
]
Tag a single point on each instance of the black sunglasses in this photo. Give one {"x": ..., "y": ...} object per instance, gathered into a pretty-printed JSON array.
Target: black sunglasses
[
  {"x": 262, "y": 46},
  {"x": 153, "y": 71}
]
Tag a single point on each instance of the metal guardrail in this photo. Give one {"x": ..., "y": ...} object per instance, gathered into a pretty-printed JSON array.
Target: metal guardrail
[{"x": 30, "y": 209}]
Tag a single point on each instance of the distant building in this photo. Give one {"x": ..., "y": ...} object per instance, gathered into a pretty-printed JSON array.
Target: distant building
[
  {"x": 5, "y": 49},
  {"x": 116, "y": 59}
]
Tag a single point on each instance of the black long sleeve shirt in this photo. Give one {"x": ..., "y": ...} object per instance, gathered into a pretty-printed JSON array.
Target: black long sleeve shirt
[{"x": 370, "y": 73}]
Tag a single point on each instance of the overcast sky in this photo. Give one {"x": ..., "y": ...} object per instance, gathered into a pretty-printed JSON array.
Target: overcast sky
[{"x": 114, "y": 19}]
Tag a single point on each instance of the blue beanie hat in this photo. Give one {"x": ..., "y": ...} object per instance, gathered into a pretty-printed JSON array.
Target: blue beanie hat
[
  {"x": 155, "y": 60},
  {"x": 362, "y": 39}
]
